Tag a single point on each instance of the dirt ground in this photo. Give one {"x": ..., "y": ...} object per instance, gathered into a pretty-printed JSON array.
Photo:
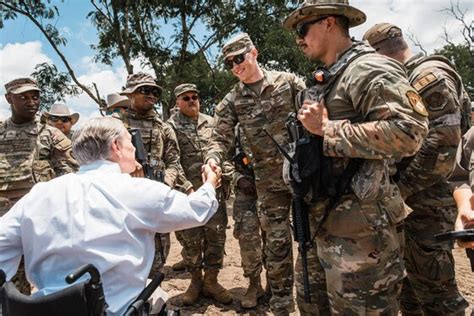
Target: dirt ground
[{"x": 231, "y": 277}]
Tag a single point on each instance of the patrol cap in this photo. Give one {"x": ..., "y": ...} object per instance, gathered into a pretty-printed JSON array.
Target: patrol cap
[
  {"x": 237, "y": 45},
  {"x": 315, "y": 8},
  {"x": 185, "y": 87},
  {"x": 61, "y": 109},
  {"x": 381, "y": 32},
  {"x": 115, "y": 99},
  {"x": 21, "y": 85},
  {"x": 137, "y": 80}
]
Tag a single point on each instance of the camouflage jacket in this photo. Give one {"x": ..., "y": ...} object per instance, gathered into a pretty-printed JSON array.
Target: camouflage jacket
[
  {"x": 32, "y": 152},
  {"x": 238, "y": 171},
  {"x": 463, "y": 172},
  {"x": 255, "y": 111},
  {"x": 374, "y": 114},
  {"x": 160, "y": 142},
  {"x": 424, "y": 176},
  {"x": 193, "y": 138}
]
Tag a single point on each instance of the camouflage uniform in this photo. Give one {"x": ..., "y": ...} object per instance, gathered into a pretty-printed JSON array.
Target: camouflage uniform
[
  {"x": 161, "y": 144},
  {"x": 254, "y": 111},
  {"x": 246, "y": 224},
  {"x": 203, "y": 247},
  {"x": 463, "y": 172},
  {"x": 430, "y": 287},
  {"x": 374, "y": 114},
  {"x": 29, "y": 153}
]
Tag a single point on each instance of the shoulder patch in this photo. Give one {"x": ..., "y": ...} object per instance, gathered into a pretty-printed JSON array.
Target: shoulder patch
[
  {"x": 424, "y": 81},
  {"x": 416, "y": 103}
]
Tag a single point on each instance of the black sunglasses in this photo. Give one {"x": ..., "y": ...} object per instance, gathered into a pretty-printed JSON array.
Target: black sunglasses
[
  {"x": 188, "y": 98},
  {"x": 237, "y": 59},
  {"x": 149, "y": 90},
  {"x": 302, "y": 28},
  {"x": 63, "y": 119}
]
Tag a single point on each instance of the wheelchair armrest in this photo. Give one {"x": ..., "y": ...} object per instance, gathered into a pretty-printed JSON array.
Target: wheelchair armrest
[{"x": 87, "y": 268}]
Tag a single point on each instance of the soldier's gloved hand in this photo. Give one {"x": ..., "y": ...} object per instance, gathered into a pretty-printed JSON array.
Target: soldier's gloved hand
[{"x": 247, "y": 186}]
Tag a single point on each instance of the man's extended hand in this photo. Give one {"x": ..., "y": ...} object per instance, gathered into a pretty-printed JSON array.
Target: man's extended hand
[
  {"x": 210, "y": 176},
  {"x": 138, "y": 172},
  {"x": 313, "y": 116}
]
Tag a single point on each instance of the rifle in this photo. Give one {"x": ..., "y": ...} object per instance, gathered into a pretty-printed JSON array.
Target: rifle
[
  {"x": 300, "y": 209},
  {"x": 143, "y": 159},
  {"x": 241, "y": 160}
]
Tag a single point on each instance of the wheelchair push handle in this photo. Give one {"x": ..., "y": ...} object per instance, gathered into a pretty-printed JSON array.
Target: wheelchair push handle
[
  {"x": 87, "y": 268},
  {"x": 143, "y": 297}
]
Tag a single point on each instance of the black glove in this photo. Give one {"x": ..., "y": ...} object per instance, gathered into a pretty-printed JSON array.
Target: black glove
[{"x": 247, "y": 186}]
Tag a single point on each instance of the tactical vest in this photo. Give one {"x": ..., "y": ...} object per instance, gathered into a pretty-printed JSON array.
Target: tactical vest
[
  {"x": 151, "y": 129},
  {"x": 464, "y": 100},
  {"x": 22, "y": 164}
]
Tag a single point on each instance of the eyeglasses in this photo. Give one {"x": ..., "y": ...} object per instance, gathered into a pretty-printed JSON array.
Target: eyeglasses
[
  {"x": 149, "y": 90},
  {"x": 188, "y": 98},
  {"x": 237, "y": 59},
  {"x": 114, "y": 110},
  {"x": 302, "y": 28},
  {"x": 56, "y": 119}
]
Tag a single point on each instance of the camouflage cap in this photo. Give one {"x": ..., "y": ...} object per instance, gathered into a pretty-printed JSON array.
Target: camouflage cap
[
  {"x": 237, "y": 45},
  {"x": 381, "y": 32},
  {"x": 185, "y": 87},
  {"x": 21, "y": 85},
  {"x": 137, "y": 80},
  {"x": 314, "y": 8}
]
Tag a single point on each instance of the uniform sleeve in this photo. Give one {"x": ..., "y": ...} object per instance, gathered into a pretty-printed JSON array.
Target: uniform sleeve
[
  {"x": 62, "y": 159},
  {"x": 171, "y": 156},
  {"x": 395, "y": 120},
  {"x": 10, "y": 239},
  {"x": 434, "y": 161},
  {"x": 464, "y": 162},
  {"x": 223, "y": 134}
]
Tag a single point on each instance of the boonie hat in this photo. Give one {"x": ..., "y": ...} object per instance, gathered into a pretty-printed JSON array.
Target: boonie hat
[
  {"x": 137, "y": 80},
  {"x": 185, "y": 87},
  {"x": 21, "y": 85},
  {"x": 314, "y": 8},
  {"x": 237, "y": 45},
  {"x": 381, "y": 32}
]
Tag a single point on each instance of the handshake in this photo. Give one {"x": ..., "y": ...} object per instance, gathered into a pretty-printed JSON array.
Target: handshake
[{"x": 211, "y": 173}]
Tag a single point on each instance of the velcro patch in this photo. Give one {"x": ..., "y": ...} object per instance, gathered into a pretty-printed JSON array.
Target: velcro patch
[
  {"x": 424, "y": 81},
  {"x": 416, "y": 103}
]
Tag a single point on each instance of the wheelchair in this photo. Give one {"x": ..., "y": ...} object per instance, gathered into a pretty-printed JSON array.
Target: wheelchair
[{"x": 81, "y": 299}]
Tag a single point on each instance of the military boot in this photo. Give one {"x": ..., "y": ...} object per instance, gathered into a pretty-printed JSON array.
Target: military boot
[
  {"x": 192, "y": 293},
  {"x": 254, "y": 291},
  {"x": 212, "y": 288},
  {"x": 179, "y": 266}
]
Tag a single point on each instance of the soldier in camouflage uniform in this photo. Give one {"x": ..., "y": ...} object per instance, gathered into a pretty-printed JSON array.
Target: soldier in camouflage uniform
[
  {"x": 246, "y": 224},
  {"x": 30, "y": 152},
  {"x": 463, "y": 179},
  {"x": 422, "y": 178},
  {"x": 159, "y": 140},
  {"x": 203, "y": 247},
  {"x": 262, "y": 99},
  {"x": 363, "y": 107}
]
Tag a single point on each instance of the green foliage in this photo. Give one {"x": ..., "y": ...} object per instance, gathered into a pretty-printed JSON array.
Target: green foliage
[
  {"x": 54, "y": 85},
  {"x": 462, "y": 57}
]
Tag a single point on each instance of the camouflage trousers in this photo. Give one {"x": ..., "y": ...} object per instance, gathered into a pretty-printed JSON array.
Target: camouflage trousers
[
  {"x": 19, "y": 278},
  {"x": 247, "y": 232},
  {"x": 162, "y": 250},
  {"x": 430, "y": 286},
  {"x": 360, "y": 250},
  {"x": 274, "y": 213},
  {"x": 203, "y": 247}
]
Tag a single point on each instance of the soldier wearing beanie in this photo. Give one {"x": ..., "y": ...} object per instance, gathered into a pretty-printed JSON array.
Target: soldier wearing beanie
[
  {"x": 262, "y": 99},
  {"x": 422, "y": 178},
  {"x": 30, "y": 151},
  {"x": 362, "y": 107}
]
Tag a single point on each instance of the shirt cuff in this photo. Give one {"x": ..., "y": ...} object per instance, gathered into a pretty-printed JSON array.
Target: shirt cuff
[{"x": 331, "y": 137}]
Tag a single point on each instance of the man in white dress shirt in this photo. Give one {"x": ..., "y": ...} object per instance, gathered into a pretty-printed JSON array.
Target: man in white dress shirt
[{"x": 99, "y": 215}]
